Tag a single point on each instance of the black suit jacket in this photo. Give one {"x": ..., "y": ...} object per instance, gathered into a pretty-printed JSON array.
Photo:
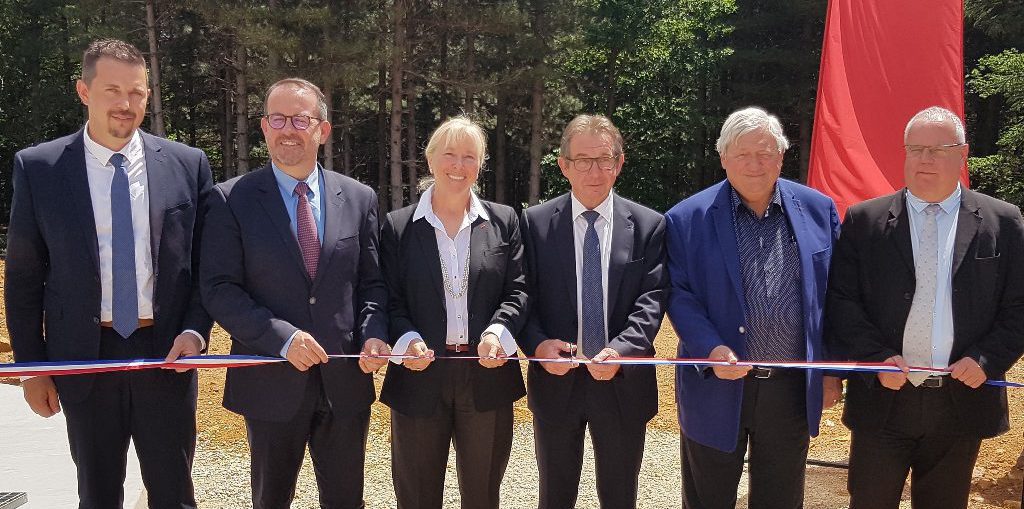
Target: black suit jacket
[
  {"x": 53, "y": 277},
  {"x": 255, "y": 285},
  {"x": 496, "y": 293},
  {"x": 637, "y": 292},
  {"x": 872, "y": 286}
]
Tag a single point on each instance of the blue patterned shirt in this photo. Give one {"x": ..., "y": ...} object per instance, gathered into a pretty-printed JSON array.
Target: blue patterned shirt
[{"x": 770, "y": 267}]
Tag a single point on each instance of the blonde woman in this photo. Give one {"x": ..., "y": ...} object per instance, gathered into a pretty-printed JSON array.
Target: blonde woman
[{"x": 454, "y": 268}]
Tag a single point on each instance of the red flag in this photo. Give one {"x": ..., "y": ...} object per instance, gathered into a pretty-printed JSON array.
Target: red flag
[{"x": 882, "y": 62}]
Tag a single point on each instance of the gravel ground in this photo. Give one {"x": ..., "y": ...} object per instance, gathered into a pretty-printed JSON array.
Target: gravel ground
[{"x": 223, "y": 482}]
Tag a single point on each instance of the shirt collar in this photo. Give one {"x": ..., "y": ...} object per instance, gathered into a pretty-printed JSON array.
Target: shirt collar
[
  {"x": 132, "y": 150},
  {"x": 737, "y": 202},
  {"x": 426, "y": 209},
  {"x": 949, "y": 205},
  {"x": 604, "y": 208},
  {"x": 287, "y": 183}
]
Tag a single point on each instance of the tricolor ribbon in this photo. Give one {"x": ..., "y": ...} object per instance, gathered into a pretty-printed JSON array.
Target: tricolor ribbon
[{"x": 20, "y": 369}]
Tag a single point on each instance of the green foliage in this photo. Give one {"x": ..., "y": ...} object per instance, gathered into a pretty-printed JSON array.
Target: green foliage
[{"x": 1000, "y": 176}]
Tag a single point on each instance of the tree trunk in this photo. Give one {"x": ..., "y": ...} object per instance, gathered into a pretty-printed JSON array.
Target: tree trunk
[
  {"x": 346, "y": 135},
  {"x": 500, "y": 170},
  {"x": 382, "y": 134},
  {"x": 227, "y": 147},
  {"x": 241, "y": 111},
  {"x": 411, "y": 148},
  {"x": 469, "y": 73},
  {"x": 609, "y": 87},
  {"x": 273, "y": 57},
  {"x": 329, "y": 142},
  {"x": 396, "y": 104},
  {"x": 536, "y": 133},
  {"x": 154, "y": 70},
  {"x": 805, "y": 143}
]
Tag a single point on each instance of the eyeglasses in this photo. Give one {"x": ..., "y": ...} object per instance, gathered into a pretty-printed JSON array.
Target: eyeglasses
[
  {"x": 585, "y": 164},
  {"x": 299, "y": 122},
  {"x": 936, "y": 151}
]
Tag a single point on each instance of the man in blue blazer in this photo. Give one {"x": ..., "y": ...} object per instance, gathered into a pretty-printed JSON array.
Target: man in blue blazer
[
  {"x": 290, "y": 270},
  {"x": 748, "y": 261},
  {"x": 101, "y": 264}
]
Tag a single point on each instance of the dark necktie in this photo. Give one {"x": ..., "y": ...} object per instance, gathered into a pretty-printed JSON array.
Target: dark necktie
[
  {"x": 125, "y": 297},
  {"x": 592, "y": 290},
  {"x": 305, "y": 230}
]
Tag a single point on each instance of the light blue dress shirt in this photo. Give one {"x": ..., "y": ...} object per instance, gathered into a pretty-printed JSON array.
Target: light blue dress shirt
[
  {"x": 286, "y": 185},
  {"x": 942, "y": 319}
]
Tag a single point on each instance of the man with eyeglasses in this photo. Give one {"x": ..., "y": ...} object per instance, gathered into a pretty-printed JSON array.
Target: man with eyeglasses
[
  {"x": 597, "y": 286},
  {"x": 292, "y": 271},
  {"x": 748, "y": 260},
  {"x": 931, "y": 276}
]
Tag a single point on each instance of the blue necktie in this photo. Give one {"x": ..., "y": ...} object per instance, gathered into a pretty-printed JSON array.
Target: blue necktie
[
  {"x": 122, "y": 243},
  {"x": 592, "y": 290}
]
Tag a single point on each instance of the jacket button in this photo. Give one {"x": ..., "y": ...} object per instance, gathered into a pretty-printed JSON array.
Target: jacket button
[
  {"x": 96, "y": 319},
  {"x": 312, "y": 300},
  {"x": 743, "y": 330},
  {"x": 907, "y": 296}
]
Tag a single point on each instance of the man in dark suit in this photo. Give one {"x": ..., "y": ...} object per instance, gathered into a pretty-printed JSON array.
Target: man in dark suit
[
  {"x": 101, "y": 265},
  {"x": 291, "y": 270},
  {"x": 931, "y": 276},
  {"x": 748, "y": 259},
  {"x": 597, "y": 287}
]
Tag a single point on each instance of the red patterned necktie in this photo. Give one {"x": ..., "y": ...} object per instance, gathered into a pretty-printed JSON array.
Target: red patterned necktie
[{"x": 309, "y": 241}]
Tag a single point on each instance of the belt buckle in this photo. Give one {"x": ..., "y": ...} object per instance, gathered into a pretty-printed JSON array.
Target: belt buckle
[
  {"x": 933, "y": 382},
  {"x": 762, "y": 373}
]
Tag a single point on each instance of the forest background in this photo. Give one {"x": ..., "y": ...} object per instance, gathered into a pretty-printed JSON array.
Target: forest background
[{"x": 666, "y": 71}]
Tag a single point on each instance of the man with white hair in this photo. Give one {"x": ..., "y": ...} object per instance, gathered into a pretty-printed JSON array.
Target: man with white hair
[
  {"x": 748, "y": 261},
  {"x": 930, "y": 276}
]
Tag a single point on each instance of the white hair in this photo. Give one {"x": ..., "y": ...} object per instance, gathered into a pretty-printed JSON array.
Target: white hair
[
  {"x": 748, "y": 120},
  {"x": 937, "y": 115}
]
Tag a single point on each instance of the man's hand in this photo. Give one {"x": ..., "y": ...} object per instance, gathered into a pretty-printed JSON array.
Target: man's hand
[
  {"x": 893, "y": 380},
  {"x": 185, "y": 345},
  {"x": 304, "y": 352},
  {"x": 369, "y": 363},
  {"x": 603, "y": 372},
  {"x": 832, "y": 391},
  {"x": 969, "y": 372},
  {"x": 553, "y": 349},
  {"x": 490, "y": 347},
  {"x": 724, "y": 353},
  {"x": 424, "y": 356},
  {"x": 41, "y": 395}
]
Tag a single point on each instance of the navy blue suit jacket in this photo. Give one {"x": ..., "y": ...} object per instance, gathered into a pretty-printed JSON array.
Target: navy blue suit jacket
[
  {"x": 637, "y": 283},
  {"x": 53, "y": 277},
  {"x": 255, "y": 285},
  {"x": 707, "y": 306}
]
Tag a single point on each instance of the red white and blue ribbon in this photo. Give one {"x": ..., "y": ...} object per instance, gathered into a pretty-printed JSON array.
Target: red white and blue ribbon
[{"x": 50, "y": 368}]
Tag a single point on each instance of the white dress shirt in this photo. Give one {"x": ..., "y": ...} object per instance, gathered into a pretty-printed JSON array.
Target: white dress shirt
[
  {"x": 603, "y": 225},
  {"x": 101, "y": 173},
  {"x": 945, "y": 220},
  {"x": 455, "y": 254}
]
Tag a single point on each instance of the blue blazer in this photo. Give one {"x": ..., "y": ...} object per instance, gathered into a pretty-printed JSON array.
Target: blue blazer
[
  {"x": 707, "y": 307},
  {"x": 53, "y": 272}
]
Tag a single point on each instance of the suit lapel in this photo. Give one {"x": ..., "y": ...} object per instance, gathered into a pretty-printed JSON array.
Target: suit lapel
[
  {"x": 565, "y": 246},
  {"x": 479, "y": 243},
  {"x": 159, "y": 186},
  {"x": 805, "y": 246},
  {"x": 332, "y": 203},
  {"x": 76, "y": 182},
  {"x": 967, "y": 223},
  {"x": 722, "y": 215},
  {"x": 897, "y": 229},
  {"x": 622, "y": 248},
  {"x": 273, "y": 205},
  {"x": 425, "y": 236}
]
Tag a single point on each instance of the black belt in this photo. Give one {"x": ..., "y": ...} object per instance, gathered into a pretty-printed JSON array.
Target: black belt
[
  {"x": 762, "y": 373},
  {"x": 934, "y": 382}
]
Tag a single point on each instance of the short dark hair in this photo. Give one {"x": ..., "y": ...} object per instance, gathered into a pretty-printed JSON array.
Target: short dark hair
[
  {"x": 109, "y": 48},
  {"x": 321, "y": 99}
]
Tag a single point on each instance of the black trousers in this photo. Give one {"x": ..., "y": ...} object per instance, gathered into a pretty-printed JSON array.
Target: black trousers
[
  {"x": 618, "y": 447},
  {"x": 419, "y": 447},
  {"x": 921, "y": 436},
  {"x": 773, "y": 422},
  {"x": 337, "y": 446},
  {"x": 156, "y": 408}
]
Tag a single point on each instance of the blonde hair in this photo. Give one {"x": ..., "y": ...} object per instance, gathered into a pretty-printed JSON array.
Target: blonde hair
[{"x": 453, "y": 131}]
